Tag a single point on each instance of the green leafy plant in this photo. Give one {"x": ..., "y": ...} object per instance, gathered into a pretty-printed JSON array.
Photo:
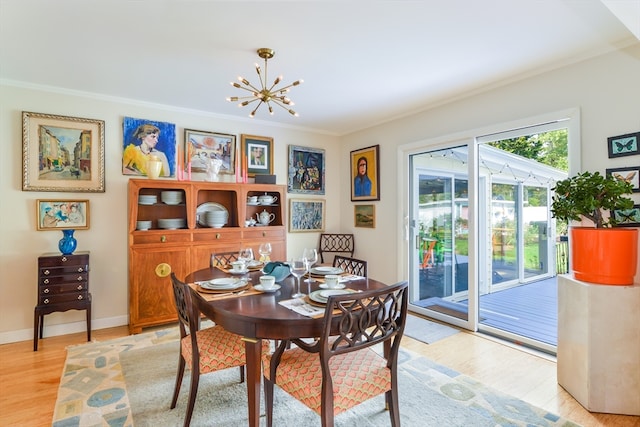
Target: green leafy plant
[{"x": 588, "y": 195}]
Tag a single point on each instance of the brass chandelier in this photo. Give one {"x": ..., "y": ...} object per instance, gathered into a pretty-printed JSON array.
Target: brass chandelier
[{"x": 265, "y": 95}]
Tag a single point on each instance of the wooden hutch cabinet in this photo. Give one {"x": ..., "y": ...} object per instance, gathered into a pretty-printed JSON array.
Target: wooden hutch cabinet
[{"x": 156, "y": 252}]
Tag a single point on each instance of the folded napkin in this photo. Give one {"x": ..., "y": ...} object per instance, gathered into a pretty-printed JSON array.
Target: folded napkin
[{"x": 301, "y": 307}]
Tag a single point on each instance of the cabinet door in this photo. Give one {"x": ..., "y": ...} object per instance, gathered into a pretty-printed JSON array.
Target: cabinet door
[{"x": 150, "y": 291}]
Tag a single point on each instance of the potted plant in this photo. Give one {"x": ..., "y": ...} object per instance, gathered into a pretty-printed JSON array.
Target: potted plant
[{"x": 598, "y": 254}]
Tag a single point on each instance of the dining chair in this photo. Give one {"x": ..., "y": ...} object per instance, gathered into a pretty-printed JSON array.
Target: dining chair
[
  {"x": 207, "y": 350},
  {"x": 341, "y": 370},
  {"x": 223, "y": 258},
  {"x": 336, "y": 243},
  {"x": 351, "y": 265}
]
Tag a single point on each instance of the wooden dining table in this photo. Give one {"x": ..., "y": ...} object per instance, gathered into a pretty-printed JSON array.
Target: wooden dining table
[{"x": 258, "y": 316}]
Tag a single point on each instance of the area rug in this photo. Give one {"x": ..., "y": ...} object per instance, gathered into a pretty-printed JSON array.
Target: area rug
[
  {"x": 130, "y": 381},
  {"x": 427, "y": 331}
]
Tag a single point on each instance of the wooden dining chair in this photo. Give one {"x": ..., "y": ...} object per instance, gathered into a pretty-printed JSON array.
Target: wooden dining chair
[
  {"x": 336, "y": 243},
  {"x": 207, "y": 350},
  {"x": 351, "y": 265},
  {"x": 223, "y": 258},
  {"x": 340, "y": 370}
]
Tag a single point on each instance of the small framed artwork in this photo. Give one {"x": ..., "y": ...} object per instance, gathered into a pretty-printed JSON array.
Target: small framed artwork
[
  {"x": 306, "y": 215},
  {"x": 201, "y": 147},
  {"x": 364, "y": 216},
  {"x": 306, "y": 170},
  {"x": 624, "y": 145},
  {"x": 629, "y": 174},
  {"x": 257, "y": 154},
  {"x": 62, "y": 214},
  {"x": 146, "y": 138},
  {"x": 61, "y": 153},
  {"x": 627, "y": 217},
  {"x": 365, "y": 174}
]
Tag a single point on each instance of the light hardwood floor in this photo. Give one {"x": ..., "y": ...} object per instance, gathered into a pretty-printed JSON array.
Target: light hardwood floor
[{"x": 29, "y": 380}]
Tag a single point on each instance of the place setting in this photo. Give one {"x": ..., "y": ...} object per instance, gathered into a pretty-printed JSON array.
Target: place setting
[{"x": 223, "y": 286}]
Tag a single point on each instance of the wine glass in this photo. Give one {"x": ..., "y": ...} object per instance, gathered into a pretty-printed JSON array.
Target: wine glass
[
  {"x": 264, "y": 250},
  {"x": 310, "y": 257},
  {"x": 298, "y": 268},
  {"x": 246, "y": 256}
]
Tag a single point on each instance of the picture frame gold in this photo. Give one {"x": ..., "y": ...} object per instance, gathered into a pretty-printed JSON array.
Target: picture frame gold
[
  {"x": 257, "y": 154},
  {"x": 58, "y": 214},
  {"x": 364, "y": 216},
  {"x": 62, "y": 153},
  {"x": 306, "y": 215},
  {"x": 365, "y": 183},
  {"x": 217, "y": 145}
]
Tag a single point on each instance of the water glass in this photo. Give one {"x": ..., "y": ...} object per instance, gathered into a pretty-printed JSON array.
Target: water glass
[
  {"x": 264, "y": 250},
  {"x": 310, "y": 257},
  {"x": 298, "y": 269}
]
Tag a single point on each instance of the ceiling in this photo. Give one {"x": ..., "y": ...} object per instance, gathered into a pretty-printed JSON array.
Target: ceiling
[{"x": 363, "y": 62}]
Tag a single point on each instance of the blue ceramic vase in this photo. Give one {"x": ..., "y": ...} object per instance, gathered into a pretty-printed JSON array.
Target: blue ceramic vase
[{"x": 68, "y": 243}]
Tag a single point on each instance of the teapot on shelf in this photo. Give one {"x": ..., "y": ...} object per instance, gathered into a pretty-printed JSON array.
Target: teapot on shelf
[
  {"x": 267, "y": 199},
  {"x": 265, "y": 217}
]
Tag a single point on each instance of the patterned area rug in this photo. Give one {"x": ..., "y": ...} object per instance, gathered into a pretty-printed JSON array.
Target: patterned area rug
[
  {"x": 427, "y": 331},
  {"x": 129, "y": 381}
]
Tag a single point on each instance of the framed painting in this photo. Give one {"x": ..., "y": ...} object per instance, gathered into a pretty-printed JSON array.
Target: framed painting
[
  {"x": 306, "y": 215},
  {"x": 306, "y": 170},
  {"x": 624, "y": 145},
  {"x": 629, "y": 174},
  {"x": 61, "y": 153},
  {"x": 365, "y": 174},
  {"x": 201, "y": 147},
  {"x": 364, "y": 216},
  {"x": 257, "y": 155},
  {"x": 628, "y": 217},
  {"x": 62, "y": 215},
  {"x": 144, "y": 139}
]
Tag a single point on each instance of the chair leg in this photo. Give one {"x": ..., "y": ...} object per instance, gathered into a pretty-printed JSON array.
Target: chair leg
[
  {"x": 193, "y": 392},
  {"x": 268, "y": 400},
  {"x": 242, "y": 373},
  {"x": 392, "y": 402},
  {"x": 179, "y": 375}
]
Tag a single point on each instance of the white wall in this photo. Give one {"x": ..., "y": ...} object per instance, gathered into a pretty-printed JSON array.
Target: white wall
[
  {"x": 605, "y": 89},
  {"x": 21, "y": 244}
]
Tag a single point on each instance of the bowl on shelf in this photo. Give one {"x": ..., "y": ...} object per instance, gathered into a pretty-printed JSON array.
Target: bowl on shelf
[
  {"x": 171, "y": 197},
  {"x": 147, "y": 199},
  {"x": 172, "y": 223},
  {"x": 143, "y": 225}
]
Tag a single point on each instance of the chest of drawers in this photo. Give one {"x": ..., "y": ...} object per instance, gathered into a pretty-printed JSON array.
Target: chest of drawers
[{"x": 63, "y": 284}]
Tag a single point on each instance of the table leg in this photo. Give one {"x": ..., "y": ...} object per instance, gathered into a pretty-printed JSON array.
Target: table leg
[{"x": 253, "y": 354}]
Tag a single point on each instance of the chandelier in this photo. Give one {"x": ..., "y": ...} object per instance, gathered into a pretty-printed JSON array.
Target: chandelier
[{"x": 265, "y": 95}]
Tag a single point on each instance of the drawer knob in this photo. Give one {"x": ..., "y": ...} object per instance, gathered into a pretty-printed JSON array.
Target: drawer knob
[
  {"x": 46, "y": 290},
  {"x": 45, "y": 281},
  {"x": 46, "y": 301},
  {"x": 264, "y": 234},
  {"x": 79, "y": 287},
  {"x": 79, "y": 297},
  {"x": 217, "y": 235},
  {"x": 80, "y": 278},
  {"x": 64, "y": 259},
  {"x": 80, "y": 269},
  {"x": 163, "y": 239},
  {"x": 46, "y": 272}
]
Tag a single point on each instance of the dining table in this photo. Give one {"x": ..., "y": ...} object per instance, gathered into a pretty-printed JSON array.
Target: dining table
[{"x": 258, "y": 316}]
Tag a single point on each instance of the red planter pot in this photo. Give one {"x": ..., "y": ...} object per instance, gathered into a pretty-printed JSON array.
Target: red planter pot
[{"x": 606, "y": 256}]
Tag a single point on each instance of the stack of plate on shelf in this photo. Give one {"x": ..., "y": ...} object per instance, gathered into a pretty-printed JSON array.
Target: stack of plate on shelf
[
  {"x": 143, "y": 225},
  {"x": 147, "y": 199},
  {"x": 172, "y": 223},
  {"x": 215, "y": 219},
  {"x": 171, "y": 197}
]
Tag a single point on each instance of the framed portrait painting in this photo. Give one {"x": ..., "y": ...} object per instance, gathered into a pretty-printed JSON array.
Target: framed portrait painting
[
  {"x": 202, "y": 146},
  {"x": 62, "y": 215},
  {"x": 365, "y": 174},
  {"x": 143, "y": 139},
  {"x": 257, "y": 154},
  {"x": 61, "y": 153},
  {"x": 629, "y": 174},
  {"x": 364, "y": 216},
  {"x": 306, "y": 170},
  {"x": 306, "y": 215},
  {"x": 624, "y": 145}
]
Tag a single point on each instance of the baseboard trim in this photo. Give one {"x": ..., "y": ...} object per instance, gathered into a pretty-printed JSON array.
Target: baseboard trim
[{"x": 63, "y": 329}]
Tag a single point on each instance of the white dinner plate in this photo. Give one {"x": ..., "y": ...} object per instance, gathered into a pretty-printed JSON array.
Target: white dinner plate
[
  {"x": 262, "y": 289},
  {"x": 326, "y": 270},
  {"x": 340, "y": 286},
  {"x": 223, "y": 283},
  {"x": 322, "y": 296},
  {"x": 234, "y": 271}
]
